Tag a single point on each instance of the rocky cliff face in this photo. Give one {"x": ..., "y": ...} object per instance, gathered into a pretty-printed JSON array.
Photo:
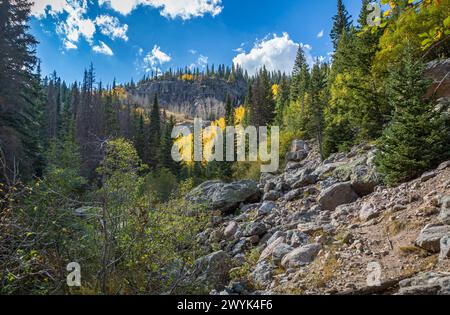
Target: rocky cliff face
[
  {"x": 203, "y": 98},
  {"x": 331, "y": 228}
]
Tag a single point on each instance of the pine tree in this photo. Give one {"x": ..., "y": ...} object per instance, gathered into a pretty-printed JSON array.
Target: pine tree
[
  {"x": 19, "y": 114},
  {"x": 282, "y": 99},
  {"x": 167, "y": 142},
  {"x": 229, "y": 118},
  {"x": 154, "y": 134},
  {"x": 418, "y": 136},
  {"x": 262, "y": 109},
  {"x": 362, "y": 20},
  {"x": 300, "y": 76},
  {"x": 341, "y": 23},
  {"x": 317, "y": 94}
]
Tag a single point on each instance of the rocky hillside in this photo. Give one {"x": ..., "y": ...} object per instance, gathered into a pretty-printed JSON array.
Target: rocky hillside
[
  {"x": 203, "y": 98},
  {"x": 328, "y": 228}
]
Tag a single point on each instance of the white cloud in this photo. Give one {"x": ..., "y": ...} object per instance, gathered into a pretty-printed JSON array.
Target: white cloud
[
  {"x": 40, "y": 7},
  {"x": 202, "y": 61},
  {"x": 276, "y": 53},
  {"x": 185, "y": 9},
  {"x": 110, "y": 26},
  {"x": 76, "y": 26},
  {"x": 102, "y": 48},
  {"x": 320, "y": 35},
  {"x": 155, "y": 59}
]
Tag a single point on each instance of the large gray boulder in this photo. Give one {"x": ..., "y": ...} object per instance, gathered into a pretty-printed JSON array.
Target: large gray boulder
[
  {"x": 299, "y": 145},
  {"x": 336, "y": 195},
  {"x": 297, "y": 156},
  {"x": 427, "y": 283},
  {"x": 262, "y": 275},
  {"x": 301, "y": 256},
  {"x": 300, "y": 178},
  {"x": 254, "y": 228},
  {"x": 216, "y": 195},
  {"x": 279, "y": 252},
  {"x": 364, "y": 180},
  {"x": 212, "y": 270},
  {"x": 268, "y": 251},
  {"x": 430, "y": 237}
]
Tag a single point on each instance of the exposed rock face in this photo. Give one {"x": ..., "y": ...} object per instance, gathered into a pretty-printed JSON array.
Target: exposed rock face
[
  {"x": 217, "y": 195},
  {"x": 204, "y": 98},
  {"x": 438, "y": 71}
]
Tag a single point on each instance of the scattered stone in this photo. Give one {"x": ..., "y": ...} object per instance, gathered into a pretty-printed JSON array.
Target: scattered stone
[
  {"x": 444, "y": 215},
  {"x": 266, "y": 208},
  {"x": 430, "y": 237},
  {"x": 297, "y": 156},
  {"x": 368, "y": 211},
  {"x": 298, "y": 145},
  {"x": 249, "y": 207},
  {"x": 300, "y": 178},
  {"x": 398, "y": 208},
  {"x": 231, "y": 230},
  {"x": 296, "y": 238},
  {"x": 445, "y": 248},
  {"x": 254, "y": 239},
  {"x": 213, "y": 269},
  {"x": 254, "y": 228},
  {"x": 301, "y": 256},
  {"x": 293, "y": 195},
  {"x": 272, "y": 195},
  {"x": 262, "y": 275},
  {"x": 267, "y": 252},
  {"x": 269, "y": 186},
  {"x": 279, "y": 252},
  {"x": 427, "y": 176},
  {"x": 428, "y": 283},
  {"x": 443, "y": 166},
  {"x": 336, "y": 195}
]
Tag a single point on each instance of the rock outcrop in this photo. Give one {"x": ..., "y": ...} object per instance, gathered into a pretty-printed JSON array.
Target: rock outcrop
[
  {"x": 200, "y": 98},
  {"x": 216, "y": 195}
]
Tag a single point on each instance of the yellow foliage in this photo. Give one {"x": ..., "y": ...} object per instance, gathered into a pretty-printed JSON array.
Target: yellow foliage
[
  {"x": 275, "y": 90},
  {"x": 187, "y": 77},
  {"x": 239, "y": 115}
]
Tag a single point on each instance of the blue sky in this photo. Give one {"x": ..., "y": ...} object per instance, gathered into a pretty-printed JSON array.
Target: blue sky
[{"x": 127, "y": 38}]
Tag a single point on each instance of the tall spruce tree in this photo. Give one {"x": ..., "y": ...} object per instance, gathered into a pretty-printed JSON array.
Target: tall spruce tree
[
  {"x": 364, "y": 13},
  {"x": 18, "y": 111},
  {"x": 318, "y": 97},
  {"x": 154, "y": 134},
  {"x": 300, "y": 76},
  {"x": 229, "y": 115},
  {"x": 341, "y": 23},
  {"x": 418, "y": 136}
]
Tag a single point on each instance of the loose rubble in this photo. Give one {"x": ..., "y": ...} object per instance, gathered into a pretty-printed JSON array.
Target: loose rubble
[{"x": 318, "y": 227}]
